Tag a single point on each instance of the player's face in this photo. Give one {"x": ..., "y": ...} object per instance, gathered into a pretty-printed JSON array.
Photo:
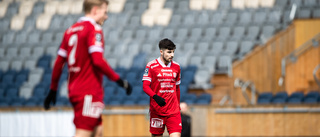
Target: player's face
[
  {"x": 167, "y": 55},
  {"x": 102, "y": 13}
]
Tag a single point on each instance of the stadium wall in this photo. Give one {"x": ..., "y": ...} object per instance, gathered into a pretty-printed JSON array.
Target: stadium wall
[{"x": 263, "y": 65}]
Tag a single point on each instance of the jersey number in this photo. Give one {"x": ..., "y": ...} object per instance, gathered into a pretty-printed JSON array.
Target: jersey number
[{"x": 73, "y": 42}]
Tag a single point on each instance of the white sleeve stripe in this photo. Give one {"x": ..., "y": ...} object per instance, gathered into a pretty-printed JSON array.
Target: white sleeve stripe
[
  {"x": 146, "y": 79},
  {"x": 178, "y": 82},
  {"x": 62, "y": 53},
  {"x": 95, "y": 48}
]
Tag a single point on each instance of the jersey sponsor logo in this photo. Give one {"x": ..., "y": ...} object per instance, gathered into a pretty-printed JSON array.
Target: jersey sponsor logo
[
  {"x": 166, "y": 91},
  {"x": 74, "y": 69},
  {"x": 154, "y": 66},
  {"x": 156, "y": 123},
  {"x": 167, "y": 74},
  {"x": 91, "y": 109},
  {"x": 159, "y": 75},
  {"x": 146, "y": 72},
  {"x": 166, "y": 85},
  {"x": 160, "y": 80},
  {"x": 166, "y": 70}
]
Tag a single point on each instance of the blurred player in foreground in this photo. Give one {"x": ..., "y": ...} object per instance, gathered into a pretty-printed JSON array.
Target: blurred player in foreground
[
  {"x": 186, "y": 120},
  {"x": 161, "y": 81},
  {"x": 82, "y": 50}
]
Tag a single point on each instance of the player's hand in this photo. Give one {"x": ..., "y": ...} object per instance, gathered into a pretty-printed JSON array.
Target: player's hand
[
  {"x": 51, "y": 97},
  {"x": 126, "y": 85},
  {"x": 160, "y": 101}
]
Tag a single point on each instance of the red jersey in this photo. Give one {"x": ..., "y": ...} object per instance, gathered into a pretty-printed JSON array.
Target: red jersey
[
  {"x": 80, "y": 41},
  {"x": 164, "y": 79}
]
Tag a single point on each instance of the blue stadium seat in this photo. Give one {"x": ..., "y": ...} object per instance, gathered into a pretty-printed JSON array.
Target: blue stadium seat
[
  {"x": 280, "y": 98},
  {"x": 295, "y": 98},
  {"x": 311, "y": 97},
  {"x": 265, "y": 98},
  {"x": 131, "y": 77},
  {"x": 189, "y": 98},
  {"x": 17, "y": 102},
  {"x": 204, "y": 99},
  {"x": 32, "y": 102}
]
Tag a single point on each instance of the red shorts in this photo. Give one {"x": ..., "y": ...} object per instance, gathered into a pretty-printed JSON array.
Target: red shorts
[
  {"x": 87, "y": 111},
  {"x": 158, "y": 123}
]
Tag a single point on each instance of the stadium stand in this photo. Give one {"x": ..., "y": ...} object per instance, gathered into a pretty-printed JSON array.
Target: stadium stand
[{"x": 210, "y": 35}]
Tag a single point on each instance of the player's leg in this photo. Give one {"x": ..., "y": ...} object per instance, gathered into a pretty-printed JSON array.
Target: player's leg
[
  {"x": 87, "y": 115},
  {"x": 83, "y": 133},
  {"x": 98, "y": 131},
  {"x": 157, "y": 125},
  {"x": 175, "y": 134},
  {"x": 174, "y": 125}
]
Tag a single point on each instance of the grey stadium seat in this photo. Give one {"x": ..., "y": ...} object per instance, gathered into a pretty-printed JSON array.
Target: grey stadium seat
[
  {"x": 147, "y": 47},
  {"x": 189, "y": 18},
  {"x": 182, "y": 60},
  {"x": 281, "y": 3},
  {"x": 34, "y": 37},
  {"x": 224, "y": 4},
  {"x": 259, "y": 17},
  {"x": 168, "y": 33},
  {"x": 17, "y": 63},
  {"x": 245, "y": 17},
  {"x": 231, "y": 18},
  {"x": 267, "y": 32},
  {"x": 224, "y": 63},
  {"x": 274, "y": 17},
  {"x": 182, "y": 33},
  {"x": 25, "y": 51},
  {"x": 203, "y": 18},
  {"x": 224, "y": 33},
  {"x": 310, "y": 3},
  {"x": 21, "y": 37},
  {"x": 210, "y": 63},
  {"x": 217, "y": 18},
  {"x": 125, "y": 62},
  {"x": 216, "y": 48},
  {"x": 141, "y": 33},
  {"x": 231, "y": 48},
  {"x": 12, "y": 51},
  {"x": 195, "y": 33},
  {"x": 30, "y": 63},
  {"x": 26, "y": 91},
  {"x": 38, "y": 51},
  {"x": 316, "y": 13},
  {"x": 252, "y": 32},
  {"x": 202, "y": 48},
  {"x": 196, "y": 61},
  {"x": 209, "y": 33},
  {"x": 47, "y": 37},
  {"x": 245, "y": 47},
  {"x": 8, "y": 37},
  {"x": 183, "y": 5},
  {"x": 4, "y": 24},
  {"x": 38, "y": 8},
  {"x": 175, "y": 19},
  {"x": 202, "y": 77},
  {"x": 12, "y": 9},
  {"x": 238, "y": 33},
  {"x": 304, "y": 13},
  {"x": 4, "y": 64},
  {"x": 154, "y": 33},
  {"x": 297, "y": 2}
]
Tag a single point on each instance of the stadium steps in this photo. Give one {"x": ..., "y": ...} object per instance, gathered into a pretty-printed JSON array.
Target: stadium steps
[{"x": 222, "y": 85}]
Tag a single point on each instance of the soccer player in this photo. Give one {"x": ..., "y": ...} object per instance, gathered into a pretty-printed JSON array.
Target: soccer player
[
  {"x": 82, "y": 50},
  {"x": 161, "y": 81}
]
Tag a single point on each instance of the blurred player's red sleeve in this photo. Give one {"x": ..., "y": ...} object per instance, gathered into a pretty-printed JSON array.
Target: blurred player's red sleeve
[
  {"x": 56, "y": 72},
  {"x": 147, "y": 89},
  {"x": 103, "y": 66},
  {"x": 178, "y": 93}
]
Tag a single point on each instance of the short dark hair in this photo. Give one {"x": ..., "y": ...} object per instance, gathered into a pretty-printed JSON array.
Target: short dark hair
[{"x": 166, "y": 44}]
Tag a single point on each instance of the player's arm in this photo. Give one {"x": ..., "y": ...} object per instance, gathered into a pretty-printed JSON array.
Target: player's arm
[
  {"x": 56, "y": 73},
  {"x": 147, "y": 89},
  {"x": 95, "y": 49}
]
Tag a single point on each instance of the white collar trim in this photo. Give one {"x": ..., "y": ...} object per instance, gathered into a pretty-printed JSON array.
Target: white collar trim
[
  {"x": 84, "y": 18},
  {"x": 162, "y": 64}
]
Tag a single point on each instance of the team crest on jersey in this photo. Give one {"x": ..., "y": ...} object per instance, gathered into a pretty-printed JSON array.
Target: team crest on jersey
[{"x": 146, "y": 72}]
